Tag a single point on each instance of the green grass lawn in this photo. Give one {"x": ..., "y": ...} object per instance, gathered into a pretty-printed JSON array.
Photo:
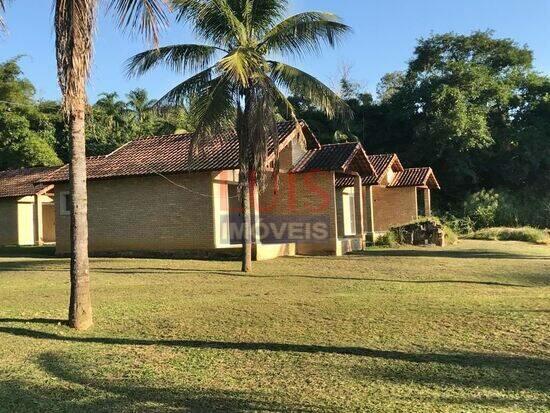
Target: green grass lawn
[{"x": 464, "y": 328}]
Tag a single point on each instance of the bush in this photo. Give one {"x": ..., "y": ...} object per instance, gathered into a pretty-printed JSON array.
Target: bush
[
  {"x": 458, "y": 225},
  {"x": 526, "y": 234},
  {"x": 389, "y": 239},
  {"x": 451, "y": 237},
  {"x": 481, "y": 207},
  {"x": 489, "y": 208}
]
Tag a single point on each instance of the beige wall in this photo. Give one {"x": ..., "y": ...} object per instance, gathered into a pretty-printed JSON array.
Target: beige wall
[
  {"x": 393, "y": 206},
  {"x": 145, "y": 214},
  {"x": 26, "y": 221},
  {"x": 8, "y": 221}
]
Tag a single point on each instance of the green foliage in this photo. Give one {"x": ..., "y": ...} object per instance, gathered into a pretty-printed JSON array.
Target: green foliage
[
  {"x": 464, "y": 225},
  {"x": 482, "y": 207},
  {"x": 526, "y": 234},
  {"x": 472, "y": 108},
  {"x": 389, "y": 239},
  {"x": 27, "y": 136},
  {"x": 507, "y": 208}
]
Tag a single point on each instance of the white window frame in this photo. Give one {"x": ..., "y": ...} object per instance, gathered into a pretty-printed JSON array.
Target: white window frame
[{"x": 64, "y": 210}]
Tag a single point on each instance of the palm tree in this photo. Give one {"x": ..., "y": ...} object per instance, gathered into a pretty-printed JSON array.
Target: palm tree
[
  {"x": 74, "y": 28},
  {"x": 139, "y": 103},
  {"x": 242, "y": 87},
  {"x": 115, "y": 110}
]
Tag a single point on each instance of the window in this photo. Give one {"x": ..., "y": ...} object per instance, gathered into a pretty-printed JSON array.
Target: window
[
  {"x": 65, "y": 203},
  {"x": 348, "y": 205}
]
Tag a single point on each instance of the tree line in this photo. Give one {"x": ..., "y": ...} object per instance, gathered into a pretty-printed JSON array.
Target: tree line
[
  {"x": 474, "y": 109},
  {"x": 34, "y": 133},
  {"x": 470, "y": 106}
]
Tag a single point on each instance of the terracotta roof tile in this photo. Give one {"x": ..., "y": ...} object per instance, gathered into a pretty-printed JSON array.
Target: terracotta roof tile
[
  {"x": 20, "y": 182},
  {"x": 381, "y": 162},
  {"x": 347, "y": 181},
  {"x": 167, "y": 154},
  {"x": 415, "y": 177},
  {"x": 336, "y": 157}
]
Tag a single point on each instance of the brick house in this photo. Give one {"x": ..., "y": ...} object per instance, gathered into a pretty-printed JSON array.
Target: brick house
[
  {"x": 397, "y": 196},
  {"x": 151, "y": 195},
  {"x": 27, "y": 213}
]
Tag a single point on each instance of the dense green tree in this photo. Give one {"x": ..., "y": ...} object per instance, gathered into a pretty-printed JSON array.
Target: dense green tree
[
  {"x": 27, "y": 136},
  {"x": 470, "y": 106}
]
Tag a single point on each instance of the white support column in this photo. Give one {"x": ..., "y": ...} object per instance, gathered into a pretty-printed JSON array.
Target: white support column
[
  {"x": 359, "y": 212},
  {"x": 38, "y": 225},
  {"x": 427, "y": 202},
  {"x": 369, "y": 212}
]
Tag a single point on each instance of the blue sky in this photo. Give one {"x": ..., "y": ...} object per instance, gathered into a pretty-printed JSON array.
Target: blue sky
[{"x": 385, "y": 33}]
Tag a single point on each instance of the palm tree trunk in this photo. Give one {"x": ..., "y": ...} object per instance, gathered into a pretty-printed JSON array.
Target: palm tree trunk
[
  {"x": 80, "y": 306},
  {"x": 244, "y": 181},
  {"x": 247, "y": 223}
]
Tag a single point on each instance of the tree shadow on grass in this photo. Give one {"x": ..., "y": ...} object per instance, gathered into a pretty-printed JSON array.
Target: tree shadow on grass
[
  {"x": 239, "y": 274},
  {"x": 50, "y": 265},
  {"x": 466, "y": 383},
  {"x": 28, "y": 252},
  {"x": 444, "y": 253},
  {"x": 495, "y": 370},
  {"x": 76, "y": 390}
]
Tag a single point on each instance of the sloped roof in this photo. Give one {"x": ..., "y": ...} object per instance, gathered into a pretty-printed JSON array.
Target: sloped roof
[
  {"x": 20, "y": 182},
  {"x": 170, "y": 154},
  {"x": 345, "y": 181},
  {"x": 381, "y": 162},
  {"x": 341, "y": 157},
  {"x": 415, "y": 177}
]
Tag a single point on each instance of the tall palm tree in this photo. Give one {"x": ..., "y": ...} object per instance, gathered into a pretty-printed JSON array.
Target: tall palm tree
[
  {"x": 242, "y": 87},
  {"x": 139, "y": 103},
  {"x": 74, "y": 29}
]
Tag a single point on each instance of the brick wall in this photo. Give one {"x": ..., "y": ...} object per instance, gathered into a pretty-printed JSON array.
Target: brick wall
[
  {"x": 8, "y": 221},
  {"x": 307, "y": 196},
  {"x": 145, "y": 214},
  {"x": 393, "y": 206}
]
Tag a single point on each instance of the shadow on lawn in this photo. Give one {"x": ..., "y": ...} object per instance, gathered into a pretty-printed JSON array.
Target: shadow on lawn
[
  {"x": 28, "y": 252},
  {"x": 55, "y": 266},
  {"x": 75, "y": 390},
  {"x": 445, "y": 253},
  {"x": 465, "y": 368}
]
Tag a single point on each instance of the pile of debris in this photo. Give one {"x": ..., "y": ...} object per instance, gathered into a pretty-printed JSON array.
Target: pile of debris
[{"x": 425, "y": 232}]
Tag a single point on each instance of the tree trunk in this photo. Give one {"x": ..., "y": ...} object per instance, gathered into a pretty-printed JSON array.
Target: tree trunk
[
  {"x": 247, "y": 223},
  {"x": 80, "y": 306}
]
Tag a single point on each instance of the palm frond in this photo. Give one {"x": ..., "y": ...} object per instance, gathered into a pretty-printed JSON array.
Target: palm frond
[
  {"x": 74, "y": 26},
  {"x": 260, "y": 15},
  {"x": 146, "y": 16},
  {"x": 180, "y": 58},
  {"x": 305, "y": 33},
  {"x": 303, "y": 84},
  {"x": 213, "y": 20},
  {"x": 213, "y": 110},
  {"x": 186, "y": 90},
  {"x": 2, "y": 9},
  {"x": 240, "y": 65}
]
